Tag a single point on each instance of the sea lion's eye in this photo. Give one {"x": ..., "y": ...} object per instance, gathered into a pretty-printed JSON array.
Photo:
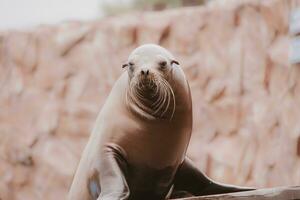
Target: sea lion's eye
[
  {"x": 131, "y": 65},
  {"x": 163, "y": 64}
]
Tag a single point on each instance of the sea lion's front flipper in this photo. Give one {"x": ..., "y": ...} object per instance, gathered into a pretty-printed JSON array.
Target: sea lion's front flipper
[
  {"x": 113, "y": 167},
  {"x": 190, "y": 180}
]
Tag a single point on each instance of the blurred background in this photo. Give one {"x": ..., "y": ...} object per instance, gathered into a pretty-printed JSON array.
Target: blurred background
[{"x": 59, "y": 60}]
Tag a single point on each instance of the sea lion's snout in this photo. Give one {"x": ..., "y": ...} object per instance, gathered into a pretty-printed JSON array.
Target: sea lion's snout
[
  {"x": 145, "y": 72},
  {"x": 146, "y": 77}
]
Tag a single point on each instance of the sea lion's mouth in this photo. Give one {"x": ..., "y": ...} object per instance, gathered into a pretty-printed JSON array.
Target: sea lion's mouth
[
  {"x": 146, "y": 84},
  {"x": 152, "y": 97},
  {"x": 147, "y": 88}
]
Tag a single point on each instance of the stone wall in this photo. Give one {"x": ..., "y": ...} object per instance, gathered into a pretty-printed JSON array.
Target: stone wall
[{"x": 246, "y": 97}]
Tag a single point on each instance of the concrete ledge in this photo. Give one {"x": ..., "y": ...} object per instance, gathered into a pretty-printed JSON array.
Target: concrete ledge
[{"x": 280, "y": 193}]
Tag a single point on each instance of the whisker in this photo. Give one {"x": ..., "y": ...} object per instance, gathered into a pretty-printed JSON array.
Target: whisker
[
  {"x": 167, "y": 97},
  {"x": 163, "y": 99},
  {"x": 173, "y": 97}
]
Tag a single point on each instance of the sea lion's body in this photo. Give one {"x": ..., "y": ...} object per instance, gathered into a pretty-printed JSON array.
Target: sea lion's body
[{"x": 132, "y": 154}]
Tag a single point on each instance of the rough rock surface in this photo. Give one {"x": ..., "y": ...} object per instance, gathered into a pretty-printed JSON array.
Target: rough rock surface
[{"x": 246, "y": 97}]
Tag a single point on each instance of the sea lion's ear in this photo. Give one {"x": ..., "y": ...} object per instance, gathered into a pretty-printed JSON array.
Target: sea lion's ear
[
  {"x": 174, "y": 62},
  {"x": 124, "y": 65}
]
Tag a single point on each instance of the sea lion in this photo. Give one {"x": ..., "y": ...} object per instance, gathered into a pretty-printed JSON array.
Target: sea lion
[{"x": 137, "y": 149}]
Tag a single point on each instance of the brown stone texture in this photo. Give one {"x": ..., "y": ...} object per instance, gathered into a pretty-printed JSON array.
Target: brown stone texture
[{"x": 246, "y": 96}]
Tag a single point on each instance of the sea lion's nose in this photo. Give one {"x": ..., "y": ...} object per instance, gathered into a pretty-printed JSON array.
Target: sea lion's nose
[{"x": 145, "y": 72}]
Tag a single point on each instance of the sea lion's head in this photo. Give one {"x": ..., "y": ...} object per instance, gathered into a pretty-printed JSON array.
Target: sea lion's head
[{"x": 150, "y": 92}]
